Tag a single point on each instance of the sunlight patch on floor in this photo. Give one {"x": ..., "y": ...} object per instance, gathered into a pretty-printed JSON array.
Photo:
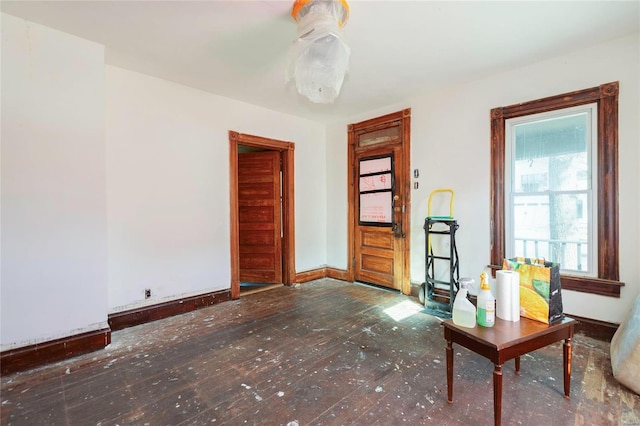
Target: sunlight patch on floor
[{"x": 403, "y": 310}]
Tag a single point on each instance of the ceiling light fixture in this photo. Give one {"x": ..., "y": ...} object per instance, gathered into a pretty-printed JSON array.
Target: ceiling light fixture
[{"x": 320, "y": 54}]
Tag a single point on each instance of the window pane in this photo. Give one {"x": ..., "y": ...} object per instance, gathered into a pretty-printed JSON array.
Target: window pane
[
  {"x": 552, "y": 155},
  {"x": 387, "y": 136},
  {"x": 554, "y": 227}
]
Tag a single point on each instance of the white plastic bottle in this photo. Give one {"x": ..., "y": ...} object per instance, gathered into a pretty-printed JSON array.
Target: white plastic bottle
[
  {"x": 486, "y": 304},
  {"x": 464, "y": 313}
]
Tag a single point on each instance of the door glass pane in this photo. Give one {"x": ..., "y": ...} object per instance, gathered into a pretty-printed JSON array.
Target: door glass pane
[
  {"x": 375, "y": 188},
  {"x": 375, "y": 207},
  {"x": 375, "y": 182},
  {"x": 375, "y": 165}
]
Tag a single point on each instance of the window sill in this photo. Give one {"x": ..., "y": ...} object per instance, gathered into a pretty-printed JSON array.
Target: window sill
[
  {"x": 592, "y": 285},
  {"x": 600, "y": 286}
]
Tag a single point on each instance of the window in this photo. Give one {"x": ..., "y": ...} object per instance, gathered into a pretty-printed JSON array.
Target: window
[
  {"x": 548, "y": 157},
  {"x": 586, "y": 193}
]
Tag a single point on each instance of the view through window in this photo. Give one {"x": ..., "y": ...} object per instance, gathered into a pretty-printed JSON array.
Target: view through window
[{"x": 549, "y": 188}]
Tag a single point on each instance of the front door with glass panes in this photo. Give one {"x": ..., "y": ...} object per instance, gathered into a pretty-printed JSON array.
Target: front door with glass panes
[{"x": 379, "y": 201}]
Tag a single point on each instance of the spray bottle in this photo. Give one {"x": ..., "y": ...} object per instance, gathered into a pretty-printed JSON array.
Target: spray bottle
[
  {"x": 486, "y": 303},
  {"x": 464, "y": 313}
]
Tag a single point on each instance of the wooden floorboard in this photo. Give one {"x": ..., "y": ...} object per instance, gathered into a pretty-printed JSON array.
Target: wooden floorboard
[{"x": 322, "y": 353}]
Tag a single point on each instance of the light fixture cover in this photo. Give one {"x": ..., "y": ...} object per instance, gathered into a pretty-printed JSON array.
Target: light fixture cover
[{"x": 320, "y": 54}]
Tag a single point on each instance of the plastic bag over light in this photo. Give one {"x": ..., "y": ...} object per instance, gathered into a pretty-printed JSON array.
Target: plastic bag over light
[{"x": 320, "y": 54}]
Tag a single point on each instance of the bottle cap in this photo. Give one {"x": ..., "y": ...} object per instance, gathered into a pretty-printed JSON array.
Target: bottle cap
[{"x": 484, "y": 285}]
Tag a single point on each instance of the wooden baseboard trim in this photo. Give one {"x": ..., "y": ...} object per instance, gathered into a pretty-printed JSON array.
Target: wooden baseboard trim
[
  {"x": 144, "y": 314},
  {"x": 338, "y": 274},
  {"x": 27, "y": 357},
  {"x": 316, "y": 274},
  {"x": 596, "y": 329}
]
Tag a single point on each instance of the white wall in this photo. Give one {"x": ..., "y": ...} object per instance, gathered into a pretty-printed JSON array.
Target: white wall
[
  {"x": 450, "y": 145},
  {"x": 53, "y": 217},
  {"x": 337, "y": 197},
  {"x": 168, "y": 186},
  {"x": 94, "y": 210}
]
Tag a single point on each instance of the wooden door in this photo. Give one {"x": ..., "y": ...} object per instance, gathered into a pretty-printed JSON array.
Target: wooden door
[
  {"x": 379, "y": 207},
  {"x": 259, "y": 217}
]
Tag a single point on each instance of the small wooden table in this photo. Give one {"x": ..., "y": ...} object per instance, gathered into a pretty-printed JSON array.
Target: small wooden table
[{"x": 504, "y": 341}]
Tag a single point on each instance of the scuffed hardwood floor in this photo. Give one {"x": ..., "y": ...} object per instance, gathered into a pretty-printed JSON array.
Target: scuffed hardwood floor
[{"x": 322, "y": 353}]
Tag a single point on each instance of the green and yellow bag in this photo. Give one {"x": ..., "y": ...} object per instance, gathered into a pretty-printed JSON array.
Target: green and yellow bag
[{"x": 540, "y": 289}]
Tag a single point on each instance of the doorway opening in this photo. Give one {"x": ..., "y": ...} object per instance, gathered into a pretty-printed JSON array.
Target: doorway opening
[{"x": 262, "y": 213}]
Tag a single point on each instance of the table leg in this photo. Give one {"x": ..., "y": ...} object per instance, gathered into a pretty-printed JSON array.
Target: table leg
[
  {"x": 566, "y": 358},
  {"x": 497, "y": 394},
  {"x": 517, "y": 365},
  {"x": 449, "y": 372}
]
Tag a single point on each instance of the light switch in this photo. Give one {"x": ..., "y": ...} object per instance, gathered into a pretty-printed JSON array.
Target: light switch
[{"x": 416, "y": 173}]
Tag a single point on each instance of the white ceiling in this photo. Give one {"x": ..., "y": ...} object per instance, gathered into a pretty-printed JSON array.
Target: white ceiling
[{"x": 238, "y": 49}]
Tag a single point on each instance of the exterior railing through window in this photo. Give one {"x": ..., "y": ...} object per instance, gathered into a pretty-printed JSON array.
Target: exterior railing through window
[{"x": 571, "y": 255}]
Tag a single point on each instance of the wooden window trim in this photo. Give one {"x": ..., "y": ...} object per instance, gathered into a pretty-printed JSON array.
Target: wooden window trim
[{"x": 606, "y": 97}]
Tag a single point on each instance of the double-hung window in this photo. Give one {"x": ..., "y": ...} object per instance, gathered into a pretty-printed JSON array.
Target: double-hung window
[
  {"x": 550, "y": 159},
  {"x": 554, "y": 186}
]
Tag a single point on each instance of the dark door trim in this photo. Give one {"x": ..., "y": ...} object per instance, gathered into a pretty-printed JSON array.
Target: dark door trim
[{"x": 286, "y": 150}]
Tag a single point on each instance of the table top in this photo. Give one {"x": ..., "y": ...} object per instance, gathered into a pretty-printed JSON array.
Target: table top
[{"x": 508, "y": 333}]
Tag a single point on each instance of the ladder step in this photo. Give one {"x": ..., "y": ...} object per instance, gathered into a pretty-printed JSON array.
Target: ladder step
[
  {"x": 441, "y": 232},
  {"x": 444, "y": 284},
  {"x": 439, "y": 257}
]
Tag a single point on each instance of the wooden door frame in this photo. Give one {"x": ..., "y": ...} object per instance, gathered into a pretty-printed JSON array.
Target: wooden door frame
[
  {"x": 286, "y": 150},
  {"x": 405, "y": 116}
]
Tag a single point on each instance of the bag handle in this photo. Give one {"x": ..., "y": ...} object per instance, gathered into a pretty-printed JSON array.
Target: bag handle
[{"x": 537, "y": 261}]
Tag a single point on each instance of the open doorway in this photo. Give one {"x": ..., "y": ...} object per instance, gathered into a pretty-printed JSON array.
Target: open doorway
[{"x": 262, "y": 215}]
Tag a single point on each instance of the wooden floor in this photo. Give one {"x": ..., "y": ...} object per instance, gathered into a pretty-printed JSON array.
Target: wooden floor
[
  {"x": 322, "y": 353},
  {"x": 250, "y": 288}
]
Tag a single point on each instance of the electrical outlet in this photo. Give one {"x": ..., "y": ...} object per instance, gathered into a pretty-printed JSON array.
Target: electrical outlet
[{"x": 147, "y": 293}]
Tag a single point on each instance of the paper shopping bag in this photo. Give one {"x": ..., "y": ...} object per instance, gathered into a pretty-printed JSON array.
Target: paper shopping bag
[{"x": 540, "y": 289}]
